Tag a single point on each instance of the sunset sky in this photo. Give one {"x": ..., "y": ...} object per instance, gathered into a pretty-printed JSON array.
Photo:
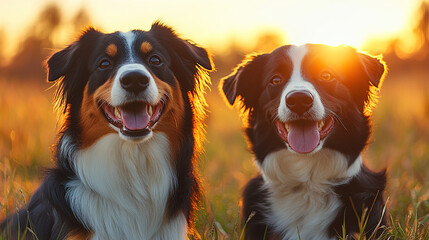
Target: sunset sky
[{"x": 212, "y": 23}]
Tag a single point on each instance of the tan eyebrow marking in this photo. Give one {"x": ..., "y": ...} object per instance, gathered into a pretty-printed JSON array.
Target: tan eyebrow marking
[
  {"x": 111, "y": 50},
  {"x": 146, "y": 47}
]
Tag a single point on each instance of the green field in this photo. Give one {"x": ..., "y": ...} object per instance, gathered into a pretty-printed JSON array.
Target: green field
[{"x": 400, "y": 142}]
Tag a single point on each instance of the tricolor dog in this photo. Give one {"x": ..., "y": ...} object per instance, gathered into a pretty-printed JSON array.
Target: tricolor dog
[
  {"x": 307, "y": 114},
  {"x": 133, "y": 105}
]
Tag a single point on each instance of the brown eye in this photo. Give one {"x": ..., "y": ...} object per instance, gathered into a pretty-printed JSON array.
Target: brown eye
[
  {"x": 327, "y": 76},
  {"x": 155, "y": 60},
  {"x": 276, "y": 80},
  {"x": 105, "y": 64}
]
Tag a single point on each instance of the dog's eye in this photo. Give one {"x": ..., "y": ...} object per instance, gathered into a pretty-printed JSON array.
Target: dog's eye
[
  {"x": 105, "y": 64},
  {"x": 155, "y": 60},
  {"x": 327, "y": 76},
  {"x": 275, "y": 80}
]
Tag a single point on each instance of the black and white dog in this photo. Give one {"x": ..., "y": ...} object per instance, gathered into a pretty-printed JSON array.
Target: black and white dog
[
  {"x": 125, "y": 158},
  {"x": 307, "y": 111}
]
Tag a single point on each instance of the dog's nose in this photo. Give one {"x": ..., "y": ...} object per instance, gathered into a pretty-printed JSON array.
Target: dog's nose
[
  {"x": 134, "y": 81},
  {"x": 299, "y": 101}
]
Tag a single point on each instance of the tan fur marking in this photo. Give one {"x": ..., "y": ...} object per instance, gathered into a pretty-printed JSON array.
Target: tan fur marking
[
  {"x": 146, "y": 47},
  {"x": 78, "y": 235},
  {"x": 93, "y": 124},
  {"x": 171, "y": 121},
  {"x": 111, "y": 50}
]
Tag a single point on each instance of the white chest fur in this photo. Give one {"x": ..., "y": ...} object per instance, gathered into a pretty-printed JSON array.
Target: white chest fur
[
  {"x": 302, "y": 201},
  {"x": 122, "y": 189}
]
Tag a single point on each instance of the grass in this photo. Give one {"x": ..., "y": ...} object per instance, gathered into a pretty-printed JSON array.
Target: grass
[{"x": 400, "y": 143}]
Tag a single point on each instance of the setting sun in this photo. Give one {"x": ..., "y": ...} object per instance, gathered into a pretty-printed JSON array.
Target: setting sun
[{"x": 346, "y": 22}]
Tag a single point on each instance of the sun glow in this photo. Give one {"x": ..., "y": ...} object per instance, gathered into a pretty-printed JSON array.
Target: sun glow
[
  {"x": 332, "y": 22},
  {"x": 345, "y": 22}
]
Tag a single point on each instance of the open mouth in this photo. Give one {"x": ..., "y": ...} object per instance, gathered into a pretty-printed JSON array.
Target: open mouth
[
  {"x": 303, "y": 136},
  {"x": 134, "y": 119}
]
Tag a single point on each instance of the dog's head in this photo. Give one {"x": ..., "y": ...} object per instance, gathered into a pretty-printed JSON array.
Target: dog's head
[
  {"x": 311, "y": 97},
  {"x": 132, "y": 83}
]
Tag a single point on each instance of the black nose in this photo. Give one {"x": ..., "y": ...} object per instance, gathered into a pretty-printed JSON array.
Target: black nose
[
  {"x": 299, "y": 101},
  {"x": 134, "y": 81}
]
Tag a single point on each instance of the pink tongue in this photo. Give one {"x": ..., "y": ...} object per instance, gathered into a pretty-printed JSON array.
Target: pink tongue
[
  {"x": 135, "y": 120},
  {"x": 303, "y": 137}
]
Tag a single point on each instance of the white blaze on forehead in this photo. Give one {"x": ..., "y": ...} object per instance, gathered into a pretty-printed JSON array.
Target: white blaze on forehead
[
  {"x": 129, "y": 38},
  {"x": 296, "y": 55},
  {"x": 119, "y": 95},
  {"x": 297, "y": 82}
]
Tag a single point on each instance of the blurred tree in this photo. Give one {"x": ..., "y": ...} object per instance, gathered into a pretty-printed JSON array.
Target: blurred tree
[
  {"x": 2, "y": 46},
  {"x": 48, "y": 22},
  {"x": 410, "y": 50},
  {"x": 235, "y": 53},
  {"x": 80, "y": 20},
  {"x": 268, "y": 41},
  {"x": 2, "y": 52},
  {"x": 27, "y": 62},
  {"x": 227, "y": 59},
  {"x": 421, "y": 29}
]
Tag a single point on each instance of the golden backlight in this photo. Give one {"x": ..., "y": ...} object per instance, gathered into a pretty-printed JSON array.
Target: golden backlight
[
  {"x": 215, "y": 23},
  {"x": 229, "y": 29},
  {"x": 348, "y": 22}
]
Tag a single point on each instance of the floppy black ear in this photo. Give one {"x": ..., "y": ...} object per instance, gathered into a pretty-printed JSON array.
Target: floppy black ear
[
  {"x": 229, "y": 86},
  {"x": 374, "y": 68},
  {"x": 69, "y": 68},
  {"x": 245, "y": 81},
  {"x": 198, "y": 54},
  {"x": 189, "y": 62},
  {"x": 187, "y": 49},
  {"x": 60, "y": 63}
]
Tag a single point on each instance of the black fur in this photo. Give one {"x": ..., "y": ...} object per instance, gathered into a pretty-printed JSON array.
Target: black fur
[
  {"x": 255, "y": 203},
  {"x": 349, "y": 98},
  {"x": 363, "y": 191},
  {"x": 49, "y": 214}
]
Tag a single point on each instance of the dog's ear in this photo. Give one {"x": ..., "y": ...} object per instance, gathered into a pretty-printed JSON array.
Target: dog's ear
[
  {"x": 198, "y": 54},
  {"x": 229, "y": 86},
  {"x": 69, "y": 68},
  {"x": 244, "y": 82},
  {"x": 189, "y": 60},
  {"x": 374, "y": 68},
  {"x": 60, "y": 63},
  {"x": 188, "y": 50}
]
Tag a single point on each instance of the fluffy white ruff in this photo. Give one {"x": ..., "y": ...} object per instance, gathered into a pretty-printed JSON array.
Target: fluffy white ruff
[
  {"x": 123, "y": 187},
  {"x": 302, "y": 201}
]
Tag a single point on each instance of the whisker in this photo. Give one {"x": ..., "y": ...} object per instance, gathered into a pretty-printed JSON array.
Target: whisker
[
  {"x": 99, "y": 106},
  {"x": 338, "y": 119},
  {"x": 275, "y": 118},
  {"x": 164, "y": 95}
]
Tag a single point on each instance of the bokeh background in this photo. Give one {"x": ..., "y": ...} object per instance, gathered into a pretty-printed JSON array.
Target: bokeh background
[{"x": 31, "y": 30}]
